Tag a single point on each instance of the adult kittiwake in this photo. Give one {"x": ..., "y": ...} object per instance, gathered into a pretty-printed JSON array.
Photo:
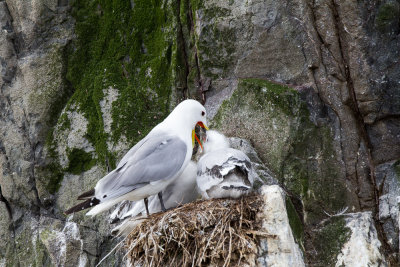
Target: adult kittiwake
[
  {"x": 181, "y": 191},
  {"x": 151, "y": 165},
  {"x": 223, "y": 171}
]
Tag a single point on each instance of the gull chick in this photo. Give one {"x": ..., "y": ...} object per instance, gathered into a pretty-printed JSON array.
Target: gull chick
[
  {"x": 151, "y": 165},
  {"x": 223, "y": 171}
]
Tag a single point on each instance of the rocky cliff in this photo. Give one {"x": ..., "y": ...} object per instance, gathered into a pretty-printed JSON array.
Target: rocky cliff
[{"x": 313, "y": 85}]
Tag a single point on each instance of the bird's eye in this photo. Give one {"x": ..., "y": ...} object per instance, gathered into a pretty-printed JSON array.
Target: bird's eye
[{"x": 203, "y": 113}]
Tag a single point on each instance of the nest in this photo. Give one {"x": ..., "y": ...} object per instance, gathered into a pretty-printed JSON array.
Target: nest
[{"x": 217, "y": 232}]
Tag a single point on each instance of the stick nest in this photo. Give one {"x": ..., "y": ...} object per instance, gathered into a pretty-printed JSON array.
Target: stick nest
[{"x": 218, "y": 232}]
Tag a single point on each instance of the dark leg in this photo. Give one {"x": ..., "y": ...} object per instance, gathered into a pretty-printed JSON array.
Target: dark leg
[
  {"x": 161, "y": 201},
  {"x": 146, "y": 203}
]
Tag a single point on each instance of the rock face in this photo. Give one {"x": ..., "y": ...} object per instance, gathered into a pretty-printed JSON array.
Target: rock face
[
  {"x": 363, "y": 245},
  {"x": 281, "y": 250},
  {"x": 312, "y": 85}
]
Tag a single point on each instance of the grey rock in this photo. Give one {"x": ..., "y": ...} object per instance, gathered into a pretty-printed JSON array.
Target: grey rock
[
  {"x": 264, "y": 174},
  {"x": 363, "y": 246},
  {"x": 388, "y": 175},
  {"x": 280, "y": 249}
]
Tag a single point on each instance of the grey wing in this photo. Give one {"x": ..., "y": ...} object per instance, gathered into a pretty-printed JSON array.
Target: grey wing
[
  {"x": 158, "y": 158},
  {"x": 131, "y": 152}
]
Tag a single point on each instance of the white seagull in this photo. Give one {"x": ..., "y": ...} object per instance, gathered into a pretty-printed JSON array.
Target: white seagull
[
  {"x": 181, "y": 191},
  {"x": 151, "y": 165},
  {"x": 223, "y": 171}
]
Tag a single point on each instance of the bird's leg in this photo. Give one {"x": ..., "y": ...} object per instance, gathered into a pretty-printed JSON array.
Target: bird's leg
[
  {"x": 146, "y": 204},
  {"x": 161, "y": 201}
]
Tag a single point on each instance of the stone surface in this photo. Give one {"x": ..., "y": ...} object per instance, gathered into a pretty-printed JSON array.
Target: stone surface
[
  {"x": 264, "y": 174},
  {"x": 299, "y": 153},
  {"x": 280, "y": 250},
  {"x": 363, "y": 246},
  {"x": 388, "y": 180}
]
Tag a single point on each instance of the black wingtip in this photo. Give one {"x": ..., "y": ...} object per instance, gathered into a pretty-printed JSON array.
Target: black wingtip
[
  {"x": 89, "y": 203},
  {"x": 86, "y": 195},
  {"x": 115, "y": 220}
]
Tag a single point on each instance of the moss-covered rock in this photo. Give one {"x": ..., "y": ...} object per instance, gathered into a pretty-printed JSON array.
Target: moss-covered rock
[
  {"x": 330, "y": 240},
  {"x": 129, "y": 50},
  {"x": 396, "y": 166},
  {"x": 26, "y": 248},
  {"x": 387, "y": 19},
  {"x": 259, "y": 111},
  {"x": 295, "y": 223},
  {"x": 301, "y": 154},
  {"x": 120, "y": 74},
  {"x": 215, "y": 41},
  {"x": 79, "y": 161}
]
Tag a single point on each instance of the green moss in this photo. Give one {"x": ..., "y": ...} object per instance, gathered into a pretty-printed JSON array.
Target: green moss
[
  {"x": 79, "y": 161},
  {"x": 54, "y": 178},
  {"x": 330, "y": 240},
  {"x": 196, "y": 5},
  {"x": 284, "y": 97},
  {"x": 295, "y": 223},
  {"x": 131, "y": 49},
  {"x": 396, "y": 166},
  {"x": 41, "y": 256},
  {"x": 64, "y": 122},
  {"x": 266, "y": 108},
  {"x": 52, "y": 174},
  {"x": 215, "y": 12},
  {"x": 263, "y": 94},
  {"x": 127, "y": 49},
  {"x": 388, "y": 16},
  {"x": 216, "y": 45},
  {"x": 26, "y": 252}
]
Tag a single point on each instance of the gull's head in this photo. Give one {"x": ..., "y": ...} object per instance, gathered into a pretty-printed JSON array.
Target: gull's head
[
  {"x": 187, "y": 115},
  {"x": 215, "y": 141}
]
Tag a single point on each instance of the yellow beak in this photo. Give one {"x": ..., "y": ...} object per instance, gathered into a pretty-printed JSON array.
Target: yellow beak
[
  {"x": 194, "y": 136},
  {"x": 203, "y": 125}
]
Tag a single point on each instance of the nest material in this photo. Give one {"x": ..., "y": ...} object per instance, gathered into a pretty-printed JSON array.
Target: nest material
[{"x": 217, "y": 232}]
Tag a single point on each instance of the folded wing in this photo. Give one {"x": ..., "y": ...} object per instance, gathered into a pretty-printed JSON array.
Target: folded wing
[{"x": 158, "y": 158}]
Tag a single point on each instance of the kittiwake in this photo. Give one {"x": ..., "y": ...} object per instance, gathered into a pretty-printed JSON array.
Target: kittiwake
[
  {"x": 223, "y": 171},
  {"x": 181, "y": 191},
  {"x": 151, "y": 165}
]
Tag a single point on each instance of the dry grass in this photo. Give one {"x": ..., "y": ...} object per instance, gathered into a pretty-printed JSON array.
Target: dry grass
[{"x": 218, "y": 232}]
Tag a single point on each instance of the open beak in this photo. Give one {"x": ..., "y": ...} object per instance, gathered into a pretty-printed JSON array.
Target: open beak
[
  {"x": 202, "y": 125},
  {"x": 194, "y": 136}
]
